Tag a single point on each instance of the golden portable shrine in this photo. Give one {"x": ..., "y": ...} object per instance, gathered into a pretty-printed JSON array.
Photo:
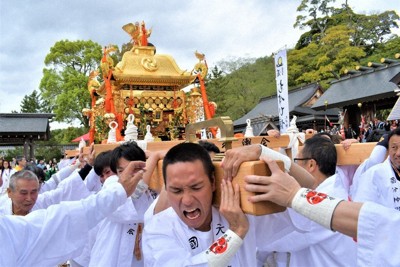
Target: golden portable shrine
[{"x": 148, "y": 86}]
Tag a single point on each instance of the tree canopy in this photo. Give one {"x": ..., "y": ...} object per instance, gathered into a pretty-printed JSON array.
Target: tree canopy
[
  {"x": 324, "y": 60},
  {"x": 237, "y": 89},
  {"x": 368, "y": 31},
  {"x": 64, "y": 83},
  {"x": 32, "y": 103}
]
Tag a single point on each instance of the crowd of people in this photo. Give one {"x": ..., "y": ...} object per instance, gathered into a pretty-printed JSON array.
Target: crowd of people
[
  {"x": 100, "y": 211},
  {"x": 370, "y": 131},
  {"x": 8, "y": 167}
]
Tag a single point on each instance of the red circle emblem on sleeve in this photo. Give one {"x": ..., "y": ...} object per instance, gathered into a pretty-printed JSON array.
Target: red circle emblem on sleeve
[
  {"x": 314, "y": 197},
  {"x": 219, "y": 246}
]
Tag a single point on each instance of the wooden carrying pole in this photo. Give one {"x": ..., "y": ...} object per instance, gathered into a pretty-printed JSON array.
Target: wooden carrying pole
[
  {"x": 355, "y": 155},
  {"x": 250, "y": 167}
]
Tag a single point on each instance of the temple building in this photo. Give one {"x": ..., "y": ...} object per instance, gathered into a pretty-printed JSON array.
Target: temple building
[
  {"x": 264, "y": 116},
  {"x": 358, "y": 94},
  {"x": 24, "y": 129}
]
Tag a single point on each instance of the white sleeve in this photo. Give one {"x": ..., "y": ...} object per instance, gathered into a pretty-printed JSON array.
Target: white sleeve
[
  {"x": 274, "y": 227},
  {"x": 48, "y": 185},
  {"x": 223, "y": 249},
  {"x": 149, "y": 213},
  {"x": 309, "y": 234},
  {"x": 377, "y": 156},
  {"x": 377, "y": 236},
  {"x": 275, "y": 155},
  {"x": 69, "y": 189},
  {"x": 65, "y": 172},
  {"x": 92, "y": 181},
  {"x": 56, "y": 178},
  {"x": 366, "y": 188},
  {"x": 47, "y": 237}
]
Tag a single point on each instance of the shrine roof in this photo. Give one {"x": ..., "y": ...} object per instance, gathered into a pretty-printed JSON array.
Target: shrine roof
[
  {"x": 22, "y": 123},
  {"x": 141, "y": 66},
  {"x": 366, "y": 86},
  {"x": 268, "y": 106}
]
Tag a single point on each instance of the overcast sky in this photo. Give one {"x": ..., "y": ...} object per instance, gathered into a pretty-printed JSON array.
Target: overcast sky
[{"x": 219, "y": 29}]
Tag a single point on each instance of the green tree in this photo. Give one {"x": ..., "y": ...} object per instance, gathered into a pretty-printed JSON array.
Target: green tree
[
  {"x": 368, "y": 31},
  {"x": 388, "y": 50},
  {"x": 314, "y": 14},
  {"x": 13, "y": 153},
  {"x": 239, "y": 89},
  {"x": 31, "y": 103},
  {"x": 48, "y": 151},
  {"x": 372, "y": 31},
  {"x": 65, "y": 136},
  {"x": 216, "y": 82},
  {"x": 64, "y": 83},
  {"x": 327, "y": 59}
]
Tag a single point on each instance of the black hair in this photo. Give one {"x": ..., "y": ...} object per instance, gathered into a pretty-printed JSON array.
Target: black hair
[
  {"x": 2, "y": 165},
  {"x": 305, "y": 127},
  {"x": 324, "y": 133},
  {"x": 36, "y": 170},
  {"x": 188, "y": 152},
  {"x": 19, "y": 158},
  {"x": 102, "y": 161},
  {"x": 393, "y": 132},
  {"x": 323, "y": 151},
  {"x": 210, "y": 147},
  {"x": 129, "y": 151}
]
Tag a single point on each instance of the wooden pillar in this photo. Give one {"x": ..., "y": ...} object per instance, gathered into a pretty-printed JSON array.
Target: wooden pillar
[
  {"x": 31, "y": 149},
  {"x": 26, "y": 148}
]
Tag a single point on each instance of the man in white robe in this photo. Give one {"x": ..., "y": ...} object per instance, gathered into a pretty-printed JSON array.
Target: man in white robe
[
  {"x": 122, "y": 225},
  {"x": 310, "y": 244},
  {"x": 71, "y": 188},
  {"x": 381, "y": 183},
  {"x": 118, "y": 238},
  {"x": 25, "y": 195},
  {"x": 376, "y": 227},
  {"x": 94, "y": 181},
  {"x": 50, "y": 236},
  {"x": 192, "y": 231}
]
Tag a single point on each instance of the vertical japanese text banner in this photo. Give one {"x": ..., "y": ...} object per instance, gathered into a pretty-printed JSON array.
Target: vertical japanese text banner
[{"x": 282, "y": 89}]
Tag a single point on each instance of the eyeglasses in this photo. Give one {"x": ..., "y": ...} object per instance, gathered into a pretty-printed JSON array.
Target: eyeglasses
[{"x": 296, "y": 159}]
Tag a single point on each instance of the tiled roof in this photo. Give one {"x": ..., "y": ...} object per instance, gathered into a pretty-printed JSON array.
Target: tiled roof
[
  {"x": 15, "y": 123},
  {"x": 267, "y": 109},
  {"x": 268, "y": 106},
  {"x": 366, "y": 86}
]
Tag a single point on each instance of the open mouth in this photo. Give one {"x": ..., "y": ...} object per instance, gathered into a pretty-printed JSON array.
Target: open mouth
[{"x": 192, "y": 214}]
